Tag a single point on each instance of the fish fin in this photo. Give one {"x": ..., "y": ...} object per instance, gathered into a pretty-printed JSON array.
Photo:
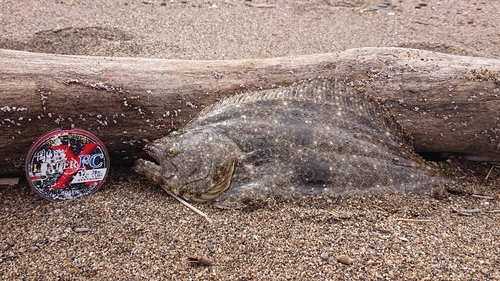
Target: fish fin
[
  {"x": 315, "y": 90},
  {"x": 319, "y": 90}
]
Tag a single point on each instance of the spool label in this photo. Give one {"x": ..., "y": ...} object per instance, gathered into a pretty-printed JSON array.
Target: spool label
[{"x": 67, "y": 164}]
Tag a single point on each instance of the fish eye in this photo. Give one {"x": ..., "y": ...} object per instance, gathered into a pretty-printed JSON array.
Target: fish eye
[{"x": 172, "y": 152}]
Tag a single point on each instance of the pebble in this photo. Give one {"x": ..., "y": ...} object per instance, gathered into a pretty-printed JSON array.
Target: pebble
[
  {"x": 81, "y": 229},
  {"x": 485, "y": 271},
  {"x": 324, "y": 256},
  {"x": 8, "y": 246},
  {"x": 345, "y": 259}
]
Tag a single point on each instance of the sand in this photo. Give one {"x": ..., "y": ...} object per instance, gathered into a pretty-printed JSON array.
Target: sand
[
  {"x": 195, "y": 29},
  {"x": 137, "y": 232}
]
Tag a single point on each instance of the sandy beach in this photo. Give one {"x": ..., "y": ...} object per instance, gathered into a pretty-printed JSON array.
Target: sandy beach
[{"x": 132, "y": 230}]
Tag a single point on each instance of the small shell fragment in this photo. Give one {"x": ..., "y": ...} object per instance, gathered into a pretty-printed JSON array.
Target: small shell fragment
[{"x": 345, "y": 259}]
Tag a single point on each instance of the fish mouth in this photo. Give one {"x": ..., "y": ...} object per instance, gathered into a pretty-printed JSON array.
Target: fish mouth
[
  {"x": 153, "y": 152},
  {"x": 168, "y": 169}
]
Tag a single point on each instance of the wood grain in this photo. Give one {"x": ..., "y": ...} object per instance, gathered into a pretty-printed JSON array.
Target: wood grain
[{"x": 447, "y": 103}]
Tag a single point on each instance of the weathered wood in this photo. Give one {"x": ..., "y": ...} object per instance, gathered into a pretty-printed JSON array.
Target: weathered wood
[{"x": 447, "y": 103}]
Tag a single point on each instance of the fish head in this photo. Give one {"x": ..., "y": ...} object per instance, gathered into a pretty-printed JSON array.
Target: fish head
[{"x": 197, "y": 165}]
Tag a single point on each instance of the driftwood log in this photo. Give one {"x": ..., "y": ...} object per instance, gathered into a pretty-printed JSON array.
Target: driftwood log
[{"x": 447, "y": 103}]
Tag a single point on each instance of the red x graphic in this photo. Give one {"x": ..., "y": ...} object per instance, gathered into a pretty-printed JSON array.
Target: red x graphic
[{"x": 68, "y": 174}]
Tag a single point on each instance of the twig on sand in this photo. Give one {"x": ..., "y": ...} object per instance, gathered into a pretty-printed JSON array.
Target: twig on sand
[
  {"x": 482, "y": 197},
  {"x": 471, "y": 211},
  {"x": 189, "y": 205},
  {"x": 380, "y": 208},
  {"x": 489, "y": 172},
  {"x": 467, "y": 212},
  {"x": 261, "y": 5},
  {"x": 414, "y": 220}
]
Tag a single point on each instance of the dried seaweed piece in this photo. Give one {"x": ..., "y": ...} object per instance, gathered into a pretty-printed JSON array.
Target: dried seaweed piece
[{"x": 198, "y": 260}]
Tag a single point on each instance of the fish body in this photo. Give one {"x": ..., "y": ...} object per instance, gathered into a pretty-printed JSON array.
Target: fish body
[{"x": 315, "y": 138}]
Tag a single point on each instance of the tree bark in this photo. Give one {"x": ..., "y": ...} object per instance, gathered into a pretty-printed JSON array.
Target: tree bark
[{"x": 447, "y": 103}]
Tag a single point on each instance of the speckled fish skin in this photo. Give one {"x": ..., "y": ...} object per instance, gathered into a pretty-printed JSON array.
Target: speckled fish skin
[{"x": 313, "y": 138}]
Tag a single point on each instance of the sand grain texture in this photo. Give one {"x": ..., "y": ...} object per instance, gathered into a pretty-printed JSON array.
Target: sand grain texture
[{"x": 137, "y": 232}]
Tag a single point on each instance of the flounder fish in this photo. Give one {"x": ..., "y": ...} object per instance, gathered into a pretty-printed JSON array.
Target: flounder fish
[{"x": 315, "y": 138}]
